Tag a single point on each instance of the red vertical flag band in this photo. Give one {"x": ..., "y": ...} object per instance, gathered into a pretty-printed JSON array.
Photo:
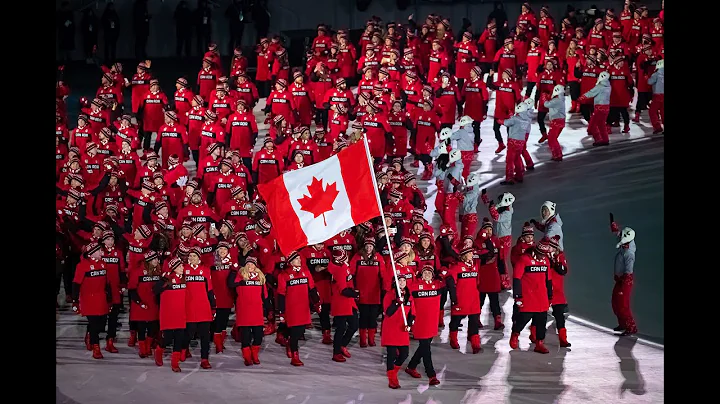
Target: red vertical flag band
[{"x": 359, "y": 182}]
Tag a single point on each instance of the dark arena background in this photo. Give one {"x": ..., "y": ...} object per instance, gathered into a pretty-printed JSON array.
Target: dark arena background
[{"x": 625, "y": 178}]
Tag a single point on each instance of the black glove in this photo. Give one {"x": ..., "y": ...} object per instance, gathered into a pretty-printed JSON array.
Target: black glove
[
  {"x": 483, "y": 191},
  {"x": 612, "y": 218},
  {"x": 533, "y": 221},
  {"x": 503, "y": 209}
]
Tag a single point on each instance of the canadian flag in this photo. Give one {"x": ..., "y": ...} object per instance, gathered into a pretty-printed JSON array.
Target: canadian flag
[{"x": 313, "y": 204}]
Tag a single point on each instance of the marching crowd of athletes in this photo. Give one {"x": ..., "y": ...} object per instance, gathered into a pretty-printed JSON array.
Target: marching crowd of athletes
[{"x": 190, "y": 250}]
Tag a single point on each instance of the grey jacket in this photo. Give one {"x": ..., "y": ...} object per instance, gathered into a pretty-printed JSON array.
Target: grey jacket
[
  {"x": 625, "y": 260},
  {"x": 437, "y": 172},
  {"x": 470, "y": 202},
  {"x": 465, "y": 139},
  {"x": 455, "y": 169},
  {"x": 503, "y": 225},
  {"x": 657, "y": 80},
  {"x": 553, "y": 227},
  {"x": 557, "y": 107},
  {"x": 517, "y": 126},
  {"x": 601, "y": 93}
]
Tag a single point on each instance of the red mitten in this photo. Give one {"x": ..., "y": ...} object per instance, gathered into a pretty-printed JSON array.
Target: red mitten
[{"x": 614, "y": 227}]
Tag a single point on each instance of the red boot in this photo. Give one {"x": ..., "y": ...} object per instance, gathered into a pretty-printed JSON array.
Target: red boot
[
  {"x": 540, "y": 347},
  {"x": 224, "y": 337},
  {"x": 434, "y": 381},
  {"x": 637, "y": 117},
  {"x": 626, "y": 129},
  {"x": 514, "y": 343},
  {"x": 532, "y": 334},
  {"x": 427, "y": 174},
  {"x": 269, "y": 329},
  {"x": 413, "y": 372},
  {"x": 500, "y": 148},
  {"x": 363, "y": 338},
  {"x": 185, "y": 354},
  {"x": 247, "y": 356},
  {"x": 543, "y": 137},
  {"x": 288, "y": 352},
  {"x": 217, "y": 340},
  {"x": 295, "y": 361},
  {"x": 205, "y": 364},
  {"x": 142, "y": 347},
  {"x": 441, "y": 319},
  {"x": 255, "y": 351},
  {"x": 175, "y": 362},
  {"x": 475, "y": 343},
  {"x": 280, "y": 339},
  {"x": 371, "y": 336},
  {"x": 393, "y": 382},
  {"x": 562, "y": 336},
  {"x": 498, "y": 323},
  {"x": 133, "y": 338},
  {"x": 87, "y": 342},
  {"x": 96, "y": 352},
  {"x": 415, "y": 163},
  {"x": 454, "y": 344},
  {"x": 110, "y": 346},
  {"x": 148, "y": 346},
  {"x": 234, "y": 334},
  {"x": 345, "y": 352},
  {"x": 159, "y": 355},
  {"x": 339, "y": 357},
  {"x": 327, "y": 338}
]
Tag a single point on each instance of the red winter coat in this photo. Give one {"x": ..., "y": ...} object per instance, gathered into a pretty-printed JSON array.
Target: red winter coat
[
  {"x": 427, "y": 125},
  {"x": 438, "y": 61},
  {"x": 224, "y": 298},
  {"x": 295, "y": 284},
  {"x": 529, "y": 21},
  {"x": 94, "y": 280},
  {"x": 375, "y": 127},
  {"x": 546, "y": 82},
  {"x": 518, "y": 250},
  {"x": 303, "y": 102},
  {"x": 489, "y": 46},
  {"x": 506, "y": 95},
  {"x": 403, "y": 271},
  {"x": 476, "y": 99},
  {"x": 242, "y": 129},
  {"x": 488, "y": 273},
  {"x": 560, "y": 268},
  {"x": 140, "y": 285},
  {"x": 183, "y": 104},
  {"x": 393, "y": 326},
  {"x": 173, "y": 311},
  {"x": 506, "y": 60},
  {"x": 426, "y": 298},
  {"x": 174, "y": 138},
  {"x": 268, "y": 165},
  {"x": 153, "y": 107},
  {"x": 466, "y": 58},
  {"x": 546, "y": 30},
  {"x": 199, "y": 288},
  {"x": 533, "y": 276},
  {"x": 140, "y": 85},
  {"x": 368, "y": 277},
  {"x": 342, "y": 279},
  {"x": 251, "y": 295},
  {"x": 282, "y": 103},
  {"x": 464, "y": 280},
  {"x": 207, "y": 81},
  {"x": 621, "y": 84},
  {"x": 314, "y": 258}
]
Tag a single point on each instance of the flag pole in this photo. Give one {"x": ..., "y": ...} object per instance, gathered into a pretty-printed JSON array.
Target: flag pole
[{"x": 382, "y": 219}]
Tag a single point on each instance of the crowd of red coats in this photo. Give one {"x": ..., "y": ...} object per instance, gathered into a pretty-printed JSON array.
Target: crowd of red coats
[{"x": 143, "y": 207}]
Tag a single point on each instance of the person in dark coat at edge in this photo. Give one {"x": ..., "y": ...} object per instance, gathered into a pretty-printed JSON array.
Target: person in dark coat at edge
[
  {"x": 110, "y": 22},
  {"x": 183, "y": 29},
  {"x": 203, "y": 26},
  {"x": 261, "y": 16},
  {"x": 237, "y": 15},
  {"x": 498, "y": 14},
  {"x": 89, "y": 29},
  {"x": 141, "y": 28},
  {"x": 65, "y": 23}
]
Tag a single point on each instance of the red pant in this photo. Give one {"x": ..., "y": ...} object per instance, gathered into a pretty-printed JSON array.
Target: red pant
[
  {"x": 452, "y": 203},
  {"x": 468, "y": 224},
  {"x": 556, "y": 126},
  {"x": 467, "y": 158},
  {"x": 596, "y": 126},
  {"x": 526, "y": 155},
  {"x": 440, "y": 198},
  {"x": 657, "y": 111},
  {"x": 621, "y": 302},
  {"x": 514, "y": 169}
]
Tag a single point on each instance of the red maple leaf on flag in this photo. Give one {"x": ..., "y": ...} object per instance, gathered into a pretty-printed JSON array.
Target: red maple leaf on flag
[{"x": 320, "y": 200}]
